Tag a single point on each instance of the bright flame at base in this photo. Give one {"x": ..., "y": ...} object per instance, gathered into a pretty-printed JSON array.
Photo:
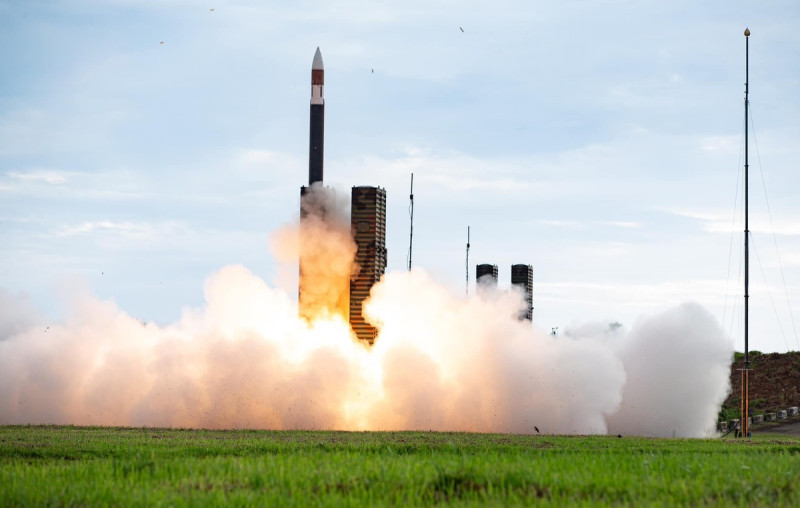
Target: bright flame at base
[{"x": 325, "y": 248}]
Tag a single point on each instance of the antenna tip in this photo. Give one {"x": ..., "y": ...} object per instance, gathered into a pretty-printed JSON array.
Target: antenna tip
[{"x": 747, "y": 32}]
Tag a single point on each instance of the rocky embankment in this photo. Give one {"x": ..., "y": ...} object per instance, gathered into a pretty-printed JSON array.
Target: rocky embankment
[{"x": 774, "y": 386}]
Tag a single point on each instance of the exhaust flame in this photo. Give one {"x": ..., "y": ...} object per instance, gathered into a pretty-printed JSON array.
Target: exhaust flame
[
  {"x": 326, "y": 250},
  {"x": 440, "y": 362}
]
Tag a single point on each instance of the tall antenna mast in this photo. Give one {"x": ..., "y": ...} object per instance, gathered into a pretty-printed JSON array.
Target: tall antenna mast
[
  {"x": 411, "y": 213},
  {"x": 746, "y": 371},
  {"x": 467, "y": 261}
]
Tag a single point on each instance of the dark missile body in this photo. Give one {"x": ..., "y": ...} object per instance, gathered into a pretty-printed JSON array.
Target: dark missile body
[{"x": 317, "y": 121}]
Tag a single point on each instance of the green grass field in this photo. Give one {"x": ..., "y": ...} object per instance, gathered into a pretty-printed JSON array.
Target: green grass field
[{"x": 48, "y": 465}]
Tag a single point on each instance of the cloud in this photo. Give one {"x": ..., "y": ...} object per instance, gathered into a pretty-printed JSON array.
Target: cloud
[
  {"x": 586, "y": 224},
  {"x": 622, "y": 224},
  {"x": 728, "y": 144},
  {"x": 87, "y": 184},
  {"x": 561, "y": 223},
  {"x": 457, "y": 172},
  {"x": 791, "y": 258},
  {"x": 717, "y": 222},
  {"x": 47, "y": 176},
  {"x": 633, "y": 295},
  {"x": 127, "y": 229}
]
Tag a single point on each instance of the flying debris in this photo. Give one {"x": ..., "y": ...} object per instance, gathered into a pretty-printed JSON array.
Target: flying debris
[
  {"x": 373, "y": 71},
  {"x": 536, "y": 428},
  {"x": 211, "y": 10},
  {"x": 162, "y": 42},
  {"x": 461, "y": 29}
]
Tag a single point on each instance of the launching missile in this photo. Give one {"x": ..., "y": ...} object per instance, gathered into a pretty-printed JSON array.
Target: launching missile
[{"x": 317, "y": 124}]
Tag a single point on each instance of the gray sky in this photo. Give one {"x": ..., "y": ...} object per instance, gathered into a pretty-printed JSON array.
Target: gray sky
[{"x": 598, "y": 141}]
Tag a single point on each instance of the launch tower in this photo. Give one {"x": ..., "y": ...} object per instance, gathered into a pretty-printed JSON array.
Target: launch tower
[
  {"x": 522, "y": 277},
  {"x": 486, "y": 276},
  {"x": 368, "y": 226}
]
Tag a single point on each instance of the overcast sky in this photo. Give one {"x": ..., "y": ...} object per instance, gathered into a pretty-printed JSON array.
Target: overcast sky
[{"x": 145, "y": 144}]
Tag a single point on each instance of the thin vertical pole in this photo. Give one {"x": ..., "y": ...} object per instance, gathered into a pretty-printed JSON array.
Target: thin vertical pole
[
  {"x": 467, "y": 264},
  {"x": 411, "y": 233},
  {"x": 741, "y": 404},
  {"x": 745, "y": 388}
]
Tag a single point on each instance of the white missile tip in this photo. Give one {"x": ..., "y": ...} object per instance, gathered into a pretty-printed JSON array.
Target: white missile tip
[{"x": 317, "y": 65}]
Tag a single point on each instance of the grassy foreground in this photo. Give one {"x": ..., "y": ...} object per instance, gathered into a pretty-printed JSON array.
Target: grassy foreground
[{"x": 48, "y": 465}]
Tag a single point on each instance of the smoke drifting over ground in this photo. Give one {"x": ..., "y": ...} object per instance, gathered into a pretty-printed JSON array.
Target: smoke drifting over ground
[{"x": 440, "y": 362}]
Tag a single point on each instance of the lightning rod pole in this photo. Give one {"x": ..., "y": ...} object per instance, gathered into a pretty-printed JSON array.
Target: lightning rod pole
[
  {"x": 411, "y": 233},
  {"x": 467, "y": 264},
  {"x": 746, "y": 372}
]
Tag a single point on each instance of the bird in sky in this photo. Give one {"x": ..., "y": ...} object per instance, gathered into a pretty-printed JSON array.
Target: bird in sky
[
  {"x": 461, "y": 29},
  {"x": 162, "y": 42},
  {"x": 211, "y": 10}
]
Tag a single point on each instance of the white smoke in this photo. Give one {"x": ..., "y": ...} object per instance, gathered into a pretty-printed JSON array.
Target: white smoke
[
  {"x": 17, "y": 315},
  {"x": 441, "y": 362},
  {"x": 678, "y": 368}
]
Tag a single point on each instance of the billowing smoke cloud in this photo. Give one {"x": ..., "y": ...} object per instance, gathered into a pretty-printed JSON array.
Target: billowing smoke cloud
[
  {"x": 17, "y": 314},
  {"x": 325, "y": 248},
  {"x": 676, "y": 364},
  {"x": 442, "y": 361}
]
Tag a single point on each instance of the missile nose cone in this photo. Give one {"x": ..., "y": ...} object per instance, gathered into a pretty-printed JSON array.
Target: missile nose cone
[{"x": 317, "y": 64}]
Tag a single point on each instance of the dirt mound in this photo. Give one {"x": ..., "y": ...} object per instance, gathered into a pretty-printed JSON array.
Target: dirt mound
[{"x": 774, "y": 382}]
